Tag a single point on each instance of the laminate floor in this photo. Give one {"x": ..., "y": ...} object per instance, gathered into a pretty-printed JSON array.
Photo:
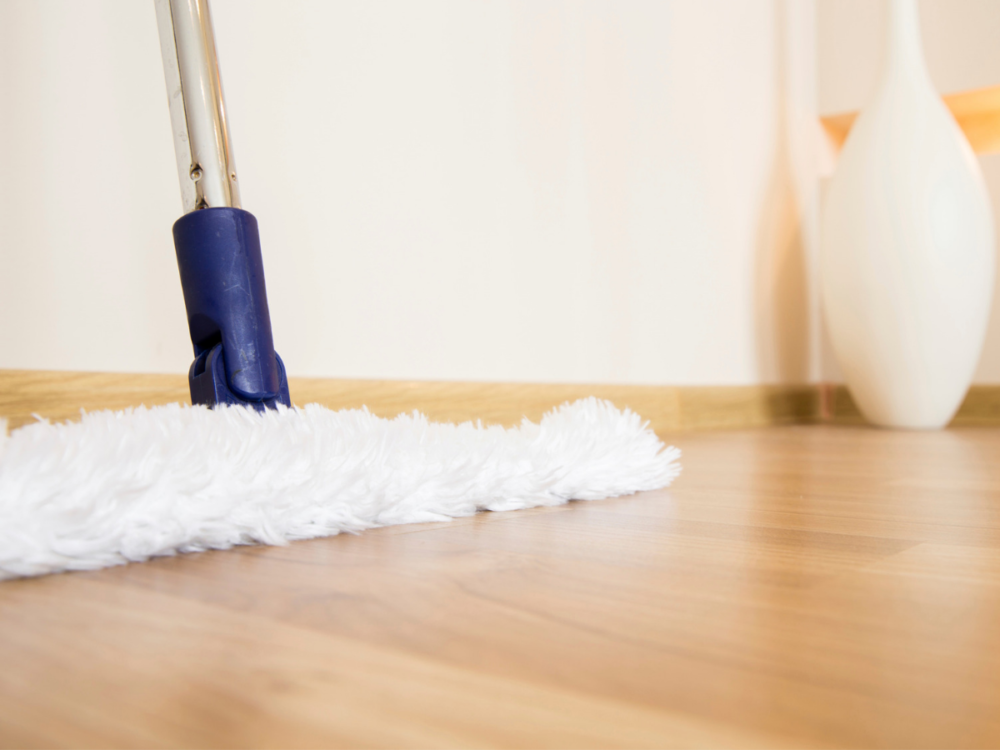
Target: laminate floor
[{"x": 805, "y": 586}]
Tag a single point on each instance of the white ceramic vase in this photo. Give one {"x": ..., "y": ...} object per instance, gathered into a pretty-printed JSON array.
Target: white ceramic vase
[{"x": 907, "y": 267}]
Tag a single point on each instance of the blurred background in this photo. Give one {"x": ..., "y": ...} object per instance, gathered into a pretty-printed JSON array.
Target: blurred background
[{"x": 514, "y": 190}]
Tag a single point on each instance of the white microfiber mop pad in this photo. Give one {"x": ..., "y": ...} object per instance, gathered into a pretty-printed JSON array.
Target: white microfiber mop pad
[{"x": 126, "y": 486}]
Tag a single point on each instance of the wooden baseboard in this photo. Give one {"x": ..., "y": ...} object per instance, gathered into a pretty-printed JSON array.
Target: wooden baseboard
[
  {"x": 61, "y": 395},
  {"x": 667, "y": 408},
  {"x": 981, "y": 407}
]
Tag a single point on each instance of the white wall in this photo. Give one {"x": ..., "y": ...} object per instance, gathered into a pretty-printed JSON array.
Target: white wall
[
  {"x": 962, "y": 46},
  {"x": 511, "y": 190}
]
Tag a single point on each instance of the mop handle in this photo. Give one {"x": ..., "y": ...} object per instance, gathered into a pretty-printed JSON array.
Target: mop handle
[
  {"x": 217, "y": 242},
  {"x": 205, "y": 164}
]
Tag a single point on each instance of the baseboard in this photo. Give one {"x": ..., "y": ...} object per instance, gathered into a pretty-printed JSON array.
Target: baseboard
[
  {"x": 667, "y": 408},
  {"x": 61, "y": 395},
  {"x": 981, "y": 407}
]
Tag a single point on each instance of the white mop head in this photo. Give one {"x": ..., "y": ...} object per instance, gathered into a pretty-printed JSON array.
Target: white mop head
[{"x": 126, "y": 486}]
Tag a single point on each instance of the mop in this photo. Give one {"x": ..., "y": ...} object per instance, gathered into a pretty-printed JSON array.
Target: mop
[{"x": 241, "y": 465}]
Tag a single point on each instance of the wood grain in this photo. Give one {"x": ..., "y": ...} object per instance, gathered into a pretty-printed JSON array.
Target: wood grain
[
  {"x": 61, "y": 395},
  {"x": 804, "y": 585},
  {"x": 977, "y": 113}
]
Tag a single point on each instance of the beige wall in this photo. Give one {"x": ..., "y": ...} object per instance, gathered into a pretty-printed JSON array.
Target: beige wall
[
  {"x": 962, "y": 47},
  {"x": 515, "y": 190}
]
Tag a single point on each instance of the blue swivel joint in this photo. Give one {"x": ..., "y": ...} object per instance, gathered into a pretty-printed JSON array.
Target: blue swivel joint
[{"x": 222, "y": 275}]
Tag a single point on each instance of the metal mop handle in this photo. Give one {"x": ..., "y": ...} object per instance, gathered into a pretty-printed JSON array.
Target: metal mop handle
[
  {"x": 217, "y": 242},
  {"x": 205, "y": 164}
]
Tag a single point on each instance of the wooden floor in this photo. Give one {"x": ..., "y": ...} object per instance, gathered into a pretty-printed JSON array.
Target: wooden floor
[{"x": 804, "y": 586}]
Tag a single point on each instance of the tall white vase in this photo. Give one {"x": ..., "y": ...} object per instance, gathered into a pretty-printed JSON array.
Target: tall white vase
[{"x": 907, "y": 263}]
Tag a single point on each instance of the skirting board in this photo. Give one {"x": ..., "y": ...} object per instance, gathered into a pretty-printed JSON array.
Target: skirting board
[
  {"x": 61, "y": 395},
  {"x": 981, "y": 407}
]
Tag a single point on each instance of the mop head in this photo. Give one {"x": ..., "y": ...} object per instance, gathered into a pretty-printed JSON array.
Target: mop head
[{"x": 126, "y": 486}]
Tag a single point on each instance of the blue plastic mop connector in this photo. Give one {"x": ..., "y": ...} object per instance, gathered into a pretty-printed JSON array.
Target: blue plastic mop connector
[{"x": 222, "y": 275}]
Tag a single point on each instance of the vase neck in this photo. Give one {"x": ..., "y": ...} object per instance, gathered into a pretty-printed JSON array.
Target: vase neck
[{"x": 904, "y": 54}]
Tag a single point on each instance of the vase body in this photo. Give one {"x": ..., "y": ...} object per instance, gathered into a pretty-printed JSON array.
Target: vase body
[{"x": 907, "y": 266}]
